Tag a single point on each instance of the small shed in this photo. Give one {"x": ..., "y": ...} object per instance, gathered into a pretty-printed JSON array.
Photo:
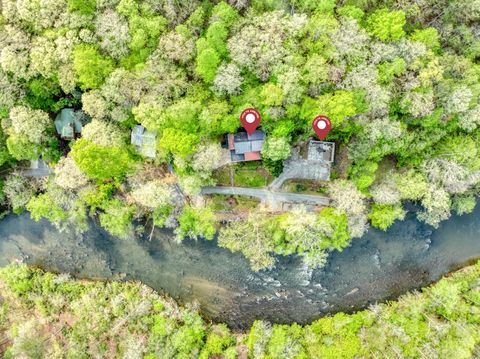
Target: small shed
[
  {"x": 244, "y": 147},
  {"x": 144, "y": 141},
  {"x": 68, "y": 124}
]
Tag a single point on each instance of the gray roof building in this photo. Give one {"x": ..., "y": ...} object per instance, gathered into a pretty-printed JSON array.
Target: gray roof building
[
  {"x": 320, "y": 151},
  {"x": 144, "y": 141},
  {"x": 244, "y": 147},
  {"x": 68, "y": 123}
]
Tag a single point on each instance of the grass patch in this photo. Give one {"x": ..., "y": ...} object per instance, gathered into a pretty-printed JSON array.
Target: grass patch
[
  {"x": 245, "y": 202},
  {"x": 220, "y": 202},
  {"x": 250, "y": 165},
  {"x": 222, "y": 176},
  {"x": 305, "y": 186},
  {"x": 251, "y": 174},
  {"x": 248, "y": 174},
  {"x": 250, "y": 179}
]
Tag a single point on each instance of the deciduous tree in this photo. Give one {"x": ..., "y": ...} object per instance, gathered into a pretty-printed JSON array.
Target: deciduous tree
[
  {"x": 207, "y": 158},
  {"x": 463, "y": 204},
  {"x": 177, "y": 46},
  {"x": 196, "y": 222},
  {"x": 387, "y": 25},
  {"x": 347, "y": 199},
  {"x": 207, "y": 63},
  {"x": 385, "y": 191},
  {"x": 101, "y": 162},
  {"x": 437, "y": 205},
  {"x": 68, "y": 175},
  {"x": 21, "y": 149},
  {"x": 91, "y": 67},
  {"x": 338, "y": 106},
  {"x": 117, "y": 218},
  {"x": 276, "y": 148},
  {"x": 15, "y": 53},
  {"x": 252, "y": 238},
  {"x": 153, "y": 194},
  {"x": 259, "y": 45},
  {"x": 178, "y": 142},
  {"x": 44, "y": 59},
  {"x": 448, "y": 174},
  {"x": 32, "y": 124},
  {"x": 383, "y": 215},
  {"x": 228, "y": 80},
  {"x": 459, "y": 100},
  {"x": 18, "y": 190},
  {"x": 103, "y": 133},
  {"x": 350, "y": 41},
  {"x": 112, "y": 30}
]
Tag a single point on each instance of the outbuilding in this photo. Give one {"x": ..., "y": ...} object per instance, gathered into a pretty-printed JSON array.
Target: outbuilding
[
  {"x": 68, "y": 123},
  {"x": 321, "y": 151},
  {"x": 144, "y": 141}
]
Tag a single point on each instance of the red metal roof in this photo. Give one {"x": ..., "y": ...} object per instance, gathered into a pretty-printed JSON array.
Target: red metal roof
[
  {"x": 231, "y": 142},
  {"x": 252, "y": 156}
]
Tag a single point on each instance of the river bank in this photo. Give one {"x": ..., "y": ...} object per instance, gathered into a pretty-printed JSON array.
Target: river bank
[
  {"x": 377, "y": 267},
  {"x": 55, "y": 316}
]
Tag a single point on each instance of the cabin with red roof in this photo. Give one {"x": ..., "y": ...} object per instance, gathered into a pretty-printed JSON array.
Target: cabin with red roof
[{"x": 244, "y": 147}]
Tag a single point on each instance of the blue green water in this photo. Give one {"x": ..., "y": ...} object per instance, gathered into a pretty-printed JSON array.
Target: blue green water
[{"x": 377, "y": 267}]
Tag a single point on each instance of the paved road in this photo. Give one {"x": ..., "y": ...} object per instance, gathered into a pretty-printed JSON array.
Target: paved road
[{"x": 269, "y": 196}]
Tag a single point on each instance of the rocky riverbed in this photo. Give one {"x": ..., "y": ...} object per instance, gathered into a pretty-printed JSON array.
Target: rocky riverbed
[{"x": 379, "y": 266}]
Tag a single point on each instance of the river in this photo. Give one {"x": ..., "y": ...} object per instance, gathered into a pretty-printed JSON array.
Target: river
[{"x": 377, "y": 267}]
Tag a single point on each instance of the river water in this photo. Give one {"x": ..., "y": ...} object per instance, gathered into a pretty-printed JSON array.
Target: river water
[{"x": 377, "y": 267}]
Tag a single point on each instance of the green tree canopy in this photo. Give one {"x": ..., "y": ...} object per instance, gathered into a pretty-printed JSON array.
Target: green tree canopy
[
  {"x": 195, "y": 222},
  {"x": 91, "y": 67},
  {"x": 387, "y": 25},
  {"x": 383, "y": 216},
  {"x": 117, "y": 217},
  {"x": 101, "y": 162}
]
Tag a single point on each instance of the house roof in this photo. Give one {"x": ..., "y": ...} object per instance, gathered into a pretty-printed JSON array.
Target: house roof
[
  {"x": 321, "y": 151},
  {"x": 240, "y": 137},
  {"x": 245, "y": 147},
  {"x": 145, "y": 141},
  {"x": 257, "y": 145},
  {"x": 231, "y": 142},
  {"x": 67, "y": 124},
  {"x": 136, "y": 136},
  {"x": 237, "y": 157},
  {"x": 257, "y": 135},
  {"x": 252, "y": 156}
]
